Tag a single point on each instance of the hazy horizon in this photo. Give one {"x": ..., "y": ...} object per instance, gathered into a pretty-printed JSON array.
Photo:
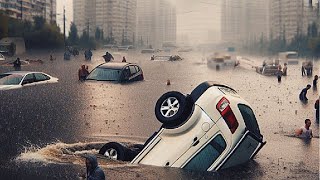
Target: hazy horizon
[{"x": 195, "y": 20}]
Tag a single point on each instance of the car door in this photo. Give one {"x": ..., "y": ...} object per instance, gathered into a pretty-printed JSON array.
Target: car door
[
  {"x": 139, "y": 73},
  {"x": 133, "y": 73}
]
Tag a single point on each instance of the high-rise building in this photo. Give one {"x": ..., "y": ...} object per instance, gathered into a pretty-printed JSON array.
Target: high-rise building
[
  {"x": 156, "y": 23},
  {"x": 292, "y": 17},
  {"x": 244, "y": 21},
  {"x": 27, "y": 9},
  {"x": 116, "y": 19}
]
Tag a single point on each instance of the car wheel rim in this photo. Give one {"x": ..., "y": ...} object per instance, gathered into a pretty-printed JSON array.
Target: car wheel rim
[
  {"x": 111, "y": 153},
  {"x": 169, "y": 107}
]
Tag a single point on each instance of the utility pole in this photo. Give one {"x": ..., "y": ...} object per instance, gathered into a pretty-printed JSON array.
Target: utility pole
[
  {"x": 64, "y": 26},
  {"x": 21, "y": 8}
]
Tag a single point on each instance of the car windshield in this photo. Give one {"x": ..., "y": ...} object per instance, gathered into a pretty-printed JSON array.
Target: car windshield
[
  {"x": 104, "y": 74},
  {"x": 10, "y": 79}
]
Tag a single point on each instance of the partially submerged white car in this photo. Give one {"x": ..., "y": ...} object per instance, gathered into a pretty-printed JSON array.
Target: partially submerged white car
[
  {"x": 19, "y": 79},
  {"x": 212, "y": 128}
]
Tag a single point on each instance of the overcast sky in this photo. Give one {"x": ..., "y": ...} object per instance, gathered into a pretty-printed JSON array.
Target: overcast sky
[{"x": 194, "y": 17}]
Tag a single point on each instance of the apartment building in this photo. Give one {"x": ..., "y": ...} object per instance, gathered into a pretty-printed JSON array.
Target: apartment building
[
  {"x": 27, "y": 9},
  {"x": 156, "y": 23},
  {"x": 244, "y": 21},
  {"x": 292, "y": 17},
  {"x": 117, "y": 19}
]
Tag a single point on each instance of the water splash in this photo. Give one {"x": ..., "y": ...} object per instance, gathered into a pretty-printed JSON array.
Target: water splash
[{"x": 59, "y": 152}]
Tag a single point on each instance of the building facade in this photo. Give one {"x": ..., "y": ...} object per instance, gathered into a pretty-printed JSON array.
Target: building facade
[
  {"x": 116, "y": 19},
  {"x": 244, "y": 21},
  {"x": 156, "y": 23},
  {"x": 27, "y": 9},
  {"x": 292, "y": 17}
]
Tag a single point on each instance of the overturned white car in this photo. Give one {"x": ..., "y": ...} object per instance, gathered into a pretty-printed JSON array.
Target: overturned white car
[{"x": 212, "y": 128}]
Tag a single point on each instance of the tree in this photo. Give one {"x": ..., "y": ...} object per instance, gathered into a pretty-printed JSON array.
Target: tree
[
  {"x": 98, "y": 34},
  {"x": 314, "y": 30},
  {"x": 39, "y": 22},
  {"x": 73, "y": 34}
]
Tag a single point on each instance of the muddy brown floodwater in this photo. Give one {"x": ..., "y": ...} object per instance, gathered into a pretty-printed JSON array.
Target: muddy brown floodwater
[{"x": 46, "y": 130}]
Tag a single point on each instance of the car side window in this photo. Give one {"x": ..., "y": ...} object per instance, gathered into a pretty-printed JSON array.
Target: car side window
[
  {"x": 206, "y": 157},
  {"x": 137, "y": 68},
  {"x": 28, "y": 79},
  {"x": 132, "y": 70},
  {"x": 41, "y": 77},
  {"x": 126, "y": 73}
]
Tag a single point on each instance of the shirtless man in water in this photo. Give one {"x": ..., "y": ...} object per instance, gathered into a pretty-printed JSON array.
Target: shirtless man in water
[{"x": 305, "y": 131}]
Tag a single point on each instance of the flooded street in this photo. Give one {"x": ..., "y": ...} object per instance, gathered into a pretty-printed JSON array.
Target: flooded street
[{"x": 45, "y": 130}]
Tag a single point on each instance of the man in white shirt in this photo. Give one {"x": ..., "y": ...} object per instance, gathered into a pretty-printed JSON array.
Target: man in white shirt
[{"x": 305, "y": 131}]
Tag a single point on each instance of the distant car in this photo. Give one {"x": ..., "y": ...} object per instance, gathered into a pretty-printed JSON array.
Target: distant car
[
  {"x": 125, "y": 48},
  {"x": 269, "y": 67},
  {"x": 213, "y": 128},
  {"x": 166, "y": 58},
  {"x": 148, "y": 51},
  {"x": 19, "y": 79},
  {"x": 268, "y": 70},
  {"x": 117, "y": 72},
  {"x": 289, "y": 57},
  {"x": 2, "y": 58},
  {"x": 219, "y": 62}
]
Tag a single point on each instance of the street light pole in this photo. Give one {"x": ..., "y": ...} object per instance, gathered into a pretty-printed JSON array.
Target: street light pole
[
  {"x": 21, "y": 8},
  {"x": 64, "y": 26}
]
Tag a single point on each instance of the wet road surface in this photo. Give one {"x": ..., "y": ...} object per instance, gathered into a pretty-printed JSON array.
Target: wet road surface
[{"x": 39, "y": 125}]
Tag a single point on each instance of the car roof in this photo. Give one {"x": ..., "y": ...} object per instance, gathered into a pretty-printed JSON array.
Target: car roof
[
  {"x": 115, "y": 65},
  {"x": 21, "y": 72}
]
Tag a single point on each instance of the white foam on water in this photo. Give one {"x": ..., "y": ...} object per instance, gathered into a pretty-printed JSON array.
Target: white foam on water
[{"x": 57, "y": 153}]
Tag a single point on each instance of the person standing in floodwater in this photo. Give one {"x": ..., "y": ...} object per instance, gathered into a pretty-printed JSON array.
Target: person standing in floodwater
[
  {"x": 284, "y": 70},
  {"x": 305, "y": 131},
  {"x": 315, "y": 82},
  {"x": 94, "y": 172},
  {"x": 17, "y": 64},
  {"x": 107, "y": 57},
  {"x": 303, "y": 93},
  {"x": 316, "y": 106},
  {"x": 124, "y": 59},
  {"x": 303, "y": 70},
  {"x": 279, "y": 75},
  {"x": 83, "y": 73}
]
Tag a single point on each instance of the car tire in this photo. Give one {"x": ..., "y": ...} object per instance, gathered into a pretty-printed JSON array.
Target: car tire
[
  {"x": 114, "y": 150},
  {"x": 173, "y": 108}
]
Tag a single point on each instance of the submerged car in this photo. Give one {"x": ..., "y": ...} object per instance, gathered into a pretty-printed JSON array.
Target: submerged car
[
  {"x": 166, "y": 58},
  {"x": 19, "y": 79},
  {"x": 143, "y": 51},
  {"x": 211, "y": 129},
  {"x": 220, "y": 62},
  {"x": 269, "y": 67},
  {"x": 2, "y": 58},
  {"x": 117, "y": 72}
]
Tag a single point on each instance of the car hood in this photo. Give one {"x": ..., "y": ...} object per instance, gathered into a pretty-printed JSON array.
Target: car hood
[{"x": 7, "y": 87}]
